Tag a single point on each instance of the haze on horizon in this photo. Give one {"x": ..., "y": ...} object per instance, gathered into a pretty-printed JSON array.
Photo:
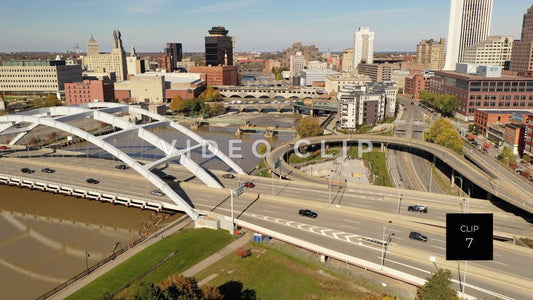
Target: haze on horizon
[{"x": 149, "y": 24}]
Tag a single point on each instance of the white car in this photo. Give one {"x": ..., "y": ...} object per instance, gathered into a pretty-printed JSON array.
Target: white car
[{"x": 158, "y": 193}]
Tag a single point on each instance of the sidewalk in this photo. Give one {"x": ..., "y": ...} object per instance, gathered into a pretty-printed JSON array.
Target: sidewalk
[
  {"x": 74, "y": 287},
  {"x": 192, "y": 271}
]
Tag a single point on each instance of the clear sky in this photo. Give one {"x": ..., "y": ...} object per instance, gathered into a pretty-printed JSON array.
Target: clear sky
[{"x": 259, "y": 25}]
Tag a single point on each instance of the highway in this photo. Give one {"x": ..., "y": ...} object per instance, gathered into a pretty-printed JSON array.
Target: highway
[{"x": 357, "y": 214}]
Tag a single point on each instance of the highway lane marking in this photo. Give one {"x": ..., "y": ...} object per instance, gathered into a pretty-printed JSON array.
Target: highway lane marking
[
  {"x": 347, "y": 226},
  {"x": 442, "y": 248},
  {"x": 497, "y": 262},
  {"x": 351, "y": 221},
  {"x": 438, "y": 240}
]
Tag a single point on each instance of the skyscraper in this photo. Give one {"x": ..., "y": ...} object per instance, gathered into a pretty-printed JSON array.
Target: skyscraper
[
  {"x": 431, "y": 53},
  {"x": 218, "y": 47},
  {"x": 363, "y": 49},
  {"x": 522, "y": 55},
  {"x": 469, "y": 24},
  {"x": 111, "y": 62},
  {"x": 175, "y": 52}
]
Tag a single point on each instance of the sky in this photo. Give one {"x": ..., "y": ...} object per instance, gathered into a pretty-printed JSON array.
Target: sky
[{"x": 258, "y": 25}]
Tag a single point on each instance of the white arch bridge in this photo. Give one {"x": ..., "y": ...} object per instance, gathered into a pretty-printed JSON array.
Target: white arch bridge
[{"x": 113, "y": 114}]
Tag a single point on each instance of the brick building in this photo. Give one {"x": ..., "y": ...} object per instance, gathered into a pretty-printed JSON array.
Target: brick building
[
  {"x": 89, "y": 91},
  {"x": 483, "y": 118},
  {"x": 482, "y": 87},
  {"x": 217, "y": 75},
  {"x": 416, "y": 83},
  {"x": 528, "y": 136}
]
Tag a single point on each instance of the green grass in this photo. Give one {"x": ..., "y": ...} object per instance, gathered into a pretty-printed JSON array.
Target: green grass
[
  {"x": 192, "y": 246},
  {"x": 378, "y": 162},
  {"x": 270, "y": 274}
]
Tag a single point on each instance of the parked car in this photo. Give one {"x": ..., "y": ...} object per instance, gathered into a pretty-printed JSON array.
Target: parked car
[
  {"x": 307, "y": 213},
  {"x": 418, "y": 236},
  {"x": 3, "y": 147},
  {"x": 418, "y": 208},
  {"x": 27, "y": 170},
  {"x": 92, "y": 181},
  {"x": 249, "y": 184},
  {"x": 158, "y": 193},
  {"x": 228, "y": 175},
  {"x": 121, "y": 167},
  {"x": 48, "y": 170}
]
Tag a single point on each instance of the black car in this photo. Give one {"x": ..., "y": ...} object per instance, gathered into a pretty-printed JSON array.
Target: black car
[
  {"x": 27, "y": 170},
  {"x": 121, "y": 167},
  {"x": 228, "y": 175},
  {"x": 307, "y": 213},
  {"x": 418, "y": 208},
  {"x": 418, "y": 236},
  {"x": 48, "y": 170},
  {"x": 92, "y": 181}
]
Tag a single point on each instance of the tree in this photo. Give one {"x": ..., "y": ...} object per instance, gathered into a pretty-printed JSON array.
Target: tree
[
  {"x": 210, "y": 94},
  {"x": 308, "y": 127},
  {"x": 217, "y": 109},
  {"x": 211, "y": 293},
  {"x": 442, "y": 132},
  {"x": 437, "y": 287},
  {"x": 507, "y": 156},
  {"x": 177, "y": 104},
  {"x": 526, "y": 158}
]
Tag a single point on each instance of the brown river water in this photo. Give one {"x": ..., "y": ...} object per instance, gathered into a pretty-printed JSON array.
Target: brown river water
[{"x": 44, "y": 237}]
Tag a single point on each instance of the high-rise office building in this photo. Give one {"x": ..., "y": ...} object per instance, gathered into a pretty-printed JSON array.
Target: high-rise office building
[
  {"x": 110, "y": 62},
  {"x": 297, "y": 63},
  {"x": 494, "y": 51},
  {"x": 469, "y": 24},
  {"x": 363, "y": 49},
  {"x": 175, "y": 52},
  {"x": 218, "y": 47},
  {"x": 431, "y": 53},
  {"x": 522, "y": 54}
]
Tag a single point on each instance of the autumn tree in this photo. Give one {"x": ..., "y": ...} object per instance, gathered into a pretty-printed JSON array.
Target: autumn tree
[
  {"x": 309, "y": 127},
  {"x": 210, "y": 94},
  {"x": 443, "y": 133},
  {"x": 177, "y": 104},
  {"x": 446, "y": 103},
  {"x": 437, "y": 287},
  {"x": 526, "y": 158},
  {"x": 217, "y": 109}
]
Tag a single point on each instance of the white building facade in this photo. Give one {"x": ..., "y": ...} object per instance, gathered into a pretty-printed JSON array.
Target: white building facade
[
  {"x": 366, "y": 104},
  {"x": 494, "y": 51},
  {"x": 469, "y": 24},
  {"x": 363, "y": 49}
]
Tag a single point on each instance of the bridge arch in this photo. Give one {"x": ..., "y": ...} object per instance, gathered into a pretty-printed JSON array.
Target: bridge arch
[{"x": 42, "y": 117}]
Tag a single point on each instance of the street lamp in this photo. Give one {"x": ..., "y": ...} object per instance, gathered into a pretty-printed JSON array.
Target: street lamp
[
  {"x": 87, "y": 255},
  {"x": 399, "y": 196},
  {"x": 383, "y": 242},
  {"x": 461, "y": 185}
]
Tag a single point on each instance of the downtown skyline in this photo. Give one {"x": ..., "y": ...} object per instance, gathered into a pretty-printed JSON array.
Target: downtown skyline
[{"x": 149, "y": 25}]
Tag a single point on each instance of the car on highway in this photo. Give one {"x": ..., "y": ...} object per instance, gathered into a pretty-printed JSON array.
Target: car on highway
[
  {"x": 418, "y": 208},
  {"x": 228, "y": 175},
  {"x": 158, "y": 193},
  {"x": 121, "y": 167},
  {"x": 27, "y": 170},
  {"x": 3, "y": 147},
  {"x": 415, "y": 235},
  {"x": 307, "y": 213},
  {"x": 48, "y": 170},
  {"x": 92, "y": 181},
  {"x": 249, "y": 184}
]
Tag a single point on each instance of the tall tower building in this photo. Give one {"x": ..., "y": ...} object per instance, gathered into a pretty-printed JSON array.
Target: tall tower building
[
  {"x": 218, "y": 47},
  {"x": 431, "y": 53},
  {"x": 93, "y": 48},
  {"x": 297, "y": 63},
  {"x": 363, "y": 49},
  {"x": 175, "y": 52},
  {"x": 469, "y": 24},
  {"x": 110, "y": 62},
  {"x": 494, "y": 51},
  {"x": 522, "y": 54}
]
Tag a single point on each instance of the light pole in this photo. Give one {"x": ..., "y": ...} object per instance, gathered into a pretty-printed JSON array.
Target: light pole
[
  {"x": 87, "y": 255},
  {"x": 383, "y": 248},
  {"x": 329, "y": 188},
  {"x": 461, "y": 195},
  {"x": 399, "y": 196},
  {"x": 430, "y": 177}
]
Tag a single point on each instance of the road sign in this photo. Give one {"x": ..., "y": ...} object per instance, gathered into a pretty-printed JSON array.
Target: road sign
[
  {"x": 239, "y": 190},
  {"x": 469, "y": 237},
  {"x": 277, "y": 164}
]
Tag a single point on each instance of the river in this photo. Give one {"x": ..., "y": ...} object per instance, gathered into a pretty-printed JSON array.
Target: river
[{"x": 44, "y": 237}]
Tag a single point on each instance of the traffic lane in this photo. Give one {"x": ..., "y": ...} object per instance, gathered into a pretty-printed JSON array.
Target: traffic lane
[{"x": 421, "y": 268}]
